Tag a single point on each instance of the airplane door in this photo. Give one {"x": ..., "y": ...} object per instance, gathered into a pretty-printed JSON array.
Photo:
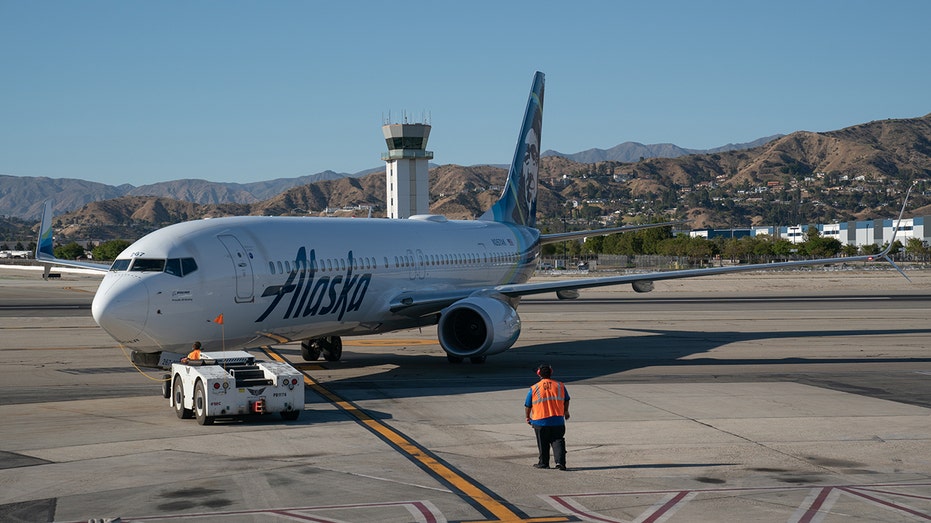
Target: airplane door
[
  {"x": 242, "y": 265},
  {"x": 413, "y": 261},
  {"x": 421, "y": 264}
]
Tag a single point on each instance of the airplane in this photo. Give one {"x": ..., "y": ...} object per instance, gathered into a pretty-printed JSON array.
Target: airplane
[{"x": 248, "y": 281}]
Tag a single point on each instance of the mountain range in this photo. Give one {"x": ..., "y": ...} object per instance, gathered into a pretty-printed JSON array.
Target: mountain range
[
  {"x": 634, "y": 151},
  {"x": 23, "y": 197},
  {"x": 858, "y": 172}
]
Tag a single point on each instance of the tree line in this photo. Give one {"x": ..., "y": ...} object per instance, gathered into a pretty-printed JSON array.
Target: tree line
[
  {"x": 747, "y": 249},
  {"x": 104, "y": 251}
]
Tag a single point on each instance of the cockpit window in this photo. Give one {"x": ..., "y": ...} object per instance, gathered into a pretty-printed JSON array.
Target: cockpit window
[
  {"x": 120, "y": 265},
  {"x": 188, "y": 265},
  {"x": 173, "y": 267},
  {"x": 148, "y": 265},
  {"x": 180, "y": 266}
]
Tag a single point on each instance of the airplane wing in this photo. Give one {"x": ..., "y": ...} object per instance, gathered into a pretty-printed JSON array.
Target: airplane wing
[
  {"x": 45, "y": 253},
  {"x": 52, "y": 260},
  {"x": 643, "y": 282},
  {"x": 416, "y": 304}
]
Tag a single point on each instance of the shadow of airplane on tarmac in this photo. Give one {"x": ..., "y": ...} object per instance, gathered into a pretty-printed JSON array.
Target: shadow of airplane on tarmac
[{"x": 413, "y": 375}]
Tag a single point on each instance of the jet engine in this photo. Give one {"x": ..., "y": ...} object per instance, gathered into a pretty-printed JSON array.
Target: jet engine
[
  {"x": 478, "y": 326},
  {"x": 642, "y": 286}
]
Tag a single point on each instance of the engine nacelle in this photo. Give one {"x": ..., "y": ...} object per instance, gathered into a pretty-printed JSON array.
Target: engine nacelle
[
  {"x": 642, "y": 285},
  {"x": 478, "y": 326},
  {"x": 568, "y": 294}
]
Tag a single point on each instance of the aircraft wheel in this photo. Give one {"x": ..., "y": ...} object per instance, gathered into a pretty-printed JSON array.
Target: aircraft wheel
[
  {"x": 166, "y": 386},
  {"x": 453, "y": 359},
  {"x": 178, "y": 392},
  {"x": 290, "y": 415},
  {"x": 333, "y": 348},
  {"x": 478, "y": 359},
  {"x": 310, "y": 350},
  {"x": 200, "y": 405}
]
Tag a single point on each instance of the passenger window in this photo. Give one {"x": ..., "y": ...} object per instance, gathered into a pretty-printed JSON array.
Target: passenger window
[{"x": 271, "y": 267}]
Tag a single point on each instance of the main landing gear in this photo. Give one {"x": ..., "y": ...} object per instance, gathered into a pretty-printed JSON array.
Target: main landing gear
[
  {"x": 330, "y": 346},
  {"x": 458, "y": 359}
]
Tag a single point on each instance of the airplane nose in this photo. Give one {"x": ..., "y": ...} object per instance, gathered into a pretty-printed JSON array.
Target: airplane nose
[{"x": 121, "y": 308}]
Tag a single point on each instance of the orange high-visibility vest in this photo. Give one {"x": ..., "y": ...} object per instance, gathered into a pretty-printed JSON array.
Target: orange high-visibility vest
[
  {"x": 194, "y": 355},
  {"x": 548, "y": 399}
]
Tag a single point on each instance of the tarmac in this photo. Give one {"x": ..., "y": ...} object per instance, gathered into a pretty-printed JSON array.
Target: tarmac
[{"x": 801, "y": 396}]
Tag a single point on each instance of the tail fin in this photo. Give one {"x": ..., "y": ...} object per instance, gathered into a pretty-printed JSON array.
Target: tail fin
[{"x": 518, "y": 202}]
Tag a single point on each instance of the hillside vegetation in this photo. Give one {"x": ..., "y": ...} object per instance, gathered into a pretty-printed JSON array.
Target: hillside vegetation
[{"x": 859, "y": 172}]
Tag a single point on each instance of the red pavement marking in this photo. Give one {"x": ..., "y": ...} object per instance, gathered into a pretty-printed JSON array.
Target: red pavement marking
[
  {"x": 568, "y": 504},
  {"x": 816, "y": 505}
]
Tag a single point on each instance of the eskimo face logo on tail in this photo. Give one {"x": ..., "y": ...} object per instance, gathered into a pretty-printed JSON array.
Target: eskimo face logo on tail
[
  {"x": 531, "y": 169},
  {"x": 318, "y": 296}
]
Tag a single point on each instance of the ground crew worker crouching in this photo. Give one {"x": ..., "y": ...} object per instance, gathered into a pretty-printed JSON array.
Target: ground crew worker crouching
[
  {"x": 194, "y": 355},
  {"x": 547, "y": 409}
]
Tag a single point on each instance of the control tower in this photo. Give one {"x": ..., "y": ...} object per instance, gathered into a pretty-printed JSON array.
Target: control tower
[{"x": 407, "y": 169}]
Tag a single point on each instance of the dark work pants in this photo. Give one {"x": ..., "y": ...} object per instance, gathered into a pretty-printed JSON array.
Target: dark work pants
[{"x": 551, "y": 436}]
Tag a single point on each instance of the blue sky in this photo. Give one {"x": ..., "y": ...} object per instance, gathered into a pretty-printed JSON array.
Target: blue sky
[{"x": 139, "y": 92}]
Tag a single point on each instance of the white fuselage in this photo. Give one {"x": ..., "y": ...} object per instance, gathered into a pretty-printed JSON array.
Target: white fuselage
[{"x": 277, "y": 279}]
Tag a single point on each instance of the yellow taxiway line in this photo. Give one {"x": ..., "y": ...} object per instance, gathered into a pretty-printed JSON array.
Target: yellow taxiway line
[{"x": 479, "y": 497}]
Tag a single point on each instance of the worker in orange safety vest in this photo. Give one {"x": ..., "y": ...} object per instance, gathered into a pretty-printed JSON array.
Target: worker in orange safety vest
[
  {"x": 547, "y": 409},
  {"x": 194, "y": 355}
]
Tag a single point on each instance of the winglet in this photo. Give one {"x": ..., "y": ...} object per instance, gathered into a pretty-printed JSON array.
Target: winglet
[
  {"x": 45, "y": 251},
  {"x": 518, "y": 201},
  {"x": 44, "y": 248},
  {"x": 895, "y": 230}
]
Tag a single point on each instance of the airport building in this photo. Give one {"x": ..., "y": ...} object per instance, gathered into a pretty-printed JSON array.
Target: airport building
[
  {"x": 857, "y": 233},
  {"x": 407, "y": 169},
  {"x": 711, "y": 234}
]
